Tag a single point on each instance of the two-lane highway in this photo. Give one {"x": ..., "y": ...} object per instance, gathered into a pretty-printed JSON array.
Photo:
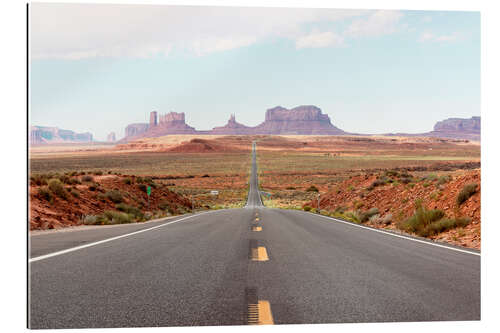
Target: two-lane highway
[
  {"x": 254, "y": 200},
  {"x": 246, "y": 266}
]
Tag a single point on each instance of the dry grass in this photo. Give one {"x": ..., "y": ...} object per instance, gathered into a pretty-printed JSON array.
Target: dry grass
[
  {"x": 285, "y": 170},
  {"x": 190, "y": 174},
  {"x": 146, "y": 163},
  {"x": 280, "y": 172}
]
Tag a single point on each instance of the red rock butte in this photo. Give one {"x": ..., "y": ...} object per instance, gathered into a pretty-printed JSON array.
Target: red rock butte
[
  {"x": 43, "y": 134},
  {"x": 302, "y": 120}
]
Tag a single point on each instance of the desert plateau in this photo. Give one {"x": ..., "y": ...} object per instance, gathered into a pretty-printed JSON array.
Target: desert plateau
[{"x": 373, "y": 180}]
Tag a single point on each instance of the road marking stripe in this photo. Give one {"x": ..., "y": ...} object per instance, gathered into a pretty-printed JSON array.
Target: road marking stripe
[
  {"x": 261, "y": 313},
  {"x": 256, "y": 228},
  {"x": 400, "y": 236},
  {"x": 76, "y": 248},
  {"x": 259, "y": 254}
]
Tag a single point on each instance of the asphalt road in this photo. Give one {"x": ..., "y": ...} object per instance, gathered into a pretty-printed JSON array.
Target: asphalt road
[
  {"x": 254, "y": 200},
  {"x": 248, "y": 265}
]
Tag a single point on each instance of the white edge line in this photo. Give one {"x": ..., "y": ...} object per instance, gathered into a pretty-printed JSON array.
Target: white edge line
[
  {"x": 76, "y": 248},
  {"x": 396, "y": 235}
]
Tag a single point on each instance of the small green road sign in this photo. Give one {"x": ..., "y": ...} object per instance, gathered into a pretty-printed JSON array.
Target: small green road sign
[{"x": 149, "y": 190}]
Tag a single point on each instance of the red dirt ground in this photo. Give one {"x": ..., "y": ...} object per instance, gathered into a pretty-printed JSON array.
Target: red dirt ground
[
  {"x": 203, "y": 146},
  {"x": 331, "y": 144},
  {"x": 399, "y": 201}
]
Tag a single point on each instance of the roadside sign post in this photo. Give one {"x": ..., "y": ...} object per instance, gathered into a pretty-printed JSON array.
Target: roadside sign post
[{"x": 149, "y": 193}]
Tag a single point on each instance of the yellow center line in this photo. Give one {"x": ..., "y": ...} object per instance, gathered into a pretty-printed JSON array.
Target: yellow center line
[
  {"x": 256, "y": 228},
  {"x": 260, "y": 314},
  {"x": 265, "y": 314},
  {"x": 259, "y": 254},
  {"x": 257, "y": 219}
]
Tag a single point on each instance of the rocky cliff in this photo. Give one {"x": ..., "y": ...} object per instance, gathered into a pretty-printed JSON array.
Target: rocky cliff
[
  {"x": 170, "y": 123},
  {"x": 301, "y": 120},
  {"x": 453, "y": 128},
  {"x": 46, "y": 135},
  {"x": 135, "y": 129},
  {"x": 304, "y": 120},
  {"x": 232, "y": 128},
  {"x": 173, "y": 118},
  {"x": 472, "y": 125},
  {"x": 166, "y": 124},
  {"x": 458, "y": 128},
  {"x": 111, "y": 137}
]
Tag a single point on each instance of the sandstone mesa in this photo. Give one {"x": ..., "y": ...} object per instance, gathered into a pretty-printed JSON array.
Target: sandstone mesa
[{"x": 301, "y": 120}]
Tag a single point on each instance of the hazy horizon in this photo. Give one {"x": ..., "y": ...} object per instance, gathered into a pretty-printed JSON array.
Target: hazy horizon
[{"x": 97, "y": 68}]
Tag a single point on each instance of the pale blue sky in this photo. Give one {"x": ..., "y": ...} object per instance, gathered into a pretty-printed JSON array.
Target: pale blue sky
[{"x": 98, "y": 68}]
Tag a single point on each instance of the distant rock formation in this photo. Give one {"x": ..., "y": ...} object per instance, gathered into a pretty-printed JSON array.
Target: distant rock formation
[
  {"x": 306, "y": 120},
  {"x": 302, "y": 120},
  {"x": 458, "y": 128},
  {"x": 472, "y": 125},
  {"x": 454, "y": 128},
  {"x": 46, "y": 135},
  {"x": 137, "y": 129},
  {"x": 111, "y": 137},
  {"x": 170, "y": 123},
  {"x": 232, "y": 128},
  {"x": 159, "y": 125},
  {"x": 153, "y": 119}
]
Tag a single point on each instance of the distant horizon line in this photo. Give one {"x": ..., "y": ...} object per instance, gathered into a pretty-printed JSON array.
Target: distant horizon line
[{"x": 233, "y": 115}]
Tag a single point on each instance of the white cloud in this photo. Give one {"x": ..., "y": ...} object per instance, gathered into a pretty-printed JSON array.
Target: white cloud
[
  {"x": 447, "y": 38},
  {"x": 75, "y": 31},
  {"x": 319, "y": 39},
  {"x": 379, "y": 23},
  {"x": 430, "y": 37},
  {"x": 208, "y": 45}
]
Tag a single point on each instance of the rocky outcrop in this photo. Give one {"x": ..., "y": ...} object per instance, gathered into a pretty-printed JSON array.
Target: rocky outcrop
[
  {"x": 111, "y": 137},
  {"x": 46, "y": 135},
  {"x": 35, "y": 136},
  {"x": 170, "y": 123},
  {"x": 232, "y": 128},
  {"x": 306, "y": 120},
  {"x": 153, "y": 119},
  {"x": 458, "y": 128},
  {"x": 159, "y": 125},
  {"x": 133, "y": 130},
  {"x": 303, "y": 120},
  {"x": 452, "y": 128},
  {"x": 459, "y": 124},
  {"x": 171, "y": 118}
]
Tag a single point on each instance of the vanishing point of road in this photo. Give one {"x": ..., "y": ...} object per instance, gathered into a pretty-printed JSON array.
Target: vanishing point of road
[{"x": 252, "y": 265}]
